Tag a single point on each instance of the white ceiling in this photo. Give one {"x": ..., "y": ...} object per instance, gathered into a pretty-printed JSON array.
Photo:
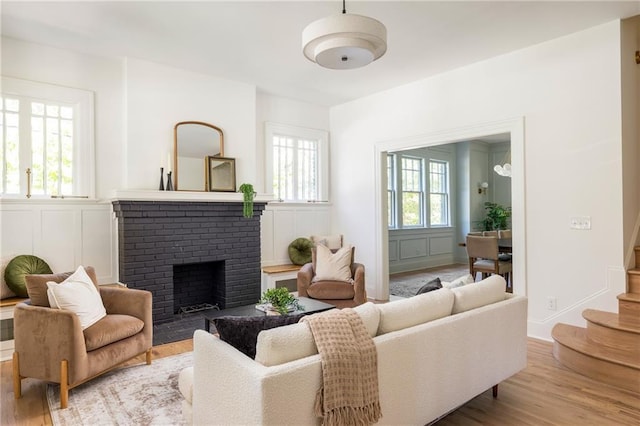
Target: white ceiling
[{"x": 259, "y": 42}]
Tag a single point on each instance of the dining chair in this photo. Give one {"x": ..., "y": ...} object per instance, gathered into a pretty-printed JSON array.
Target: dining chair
[
  {"x": 485, "y": 258},
  {"x": 490, "y": 234},
  {"x": 504, "y": 233}
]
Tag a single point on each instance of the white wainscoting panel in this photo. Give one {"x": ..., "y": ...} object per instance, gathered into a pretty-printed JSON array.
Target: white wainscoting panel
[
  {"x": 65, "y": 233},
  {"x": 17, "y": 231},
  {"x": 282, "y": 223}
]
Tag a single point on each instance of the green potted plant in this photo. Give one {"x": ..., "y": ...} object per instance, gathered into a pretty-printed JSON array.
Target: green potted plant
[
  {"x": 280, "y": 300},
  {"x": 497, "y": 217},
  {"x": 248, "y": 196}
]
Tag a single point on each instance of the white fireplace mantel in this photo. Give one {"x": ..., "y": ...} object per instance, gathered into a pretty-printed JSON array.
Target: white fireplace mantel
[{"x": 193, "y": 196}]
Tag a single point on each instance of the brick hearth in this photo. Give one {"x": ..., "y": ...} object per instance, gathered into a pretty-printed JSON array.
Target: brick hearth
[{"x": 153, "y": 237}]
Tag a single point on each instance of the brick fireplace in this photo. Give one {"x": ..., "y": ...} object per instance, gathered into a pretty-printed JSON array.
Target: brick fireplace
[{"x": 188, "y": 253}]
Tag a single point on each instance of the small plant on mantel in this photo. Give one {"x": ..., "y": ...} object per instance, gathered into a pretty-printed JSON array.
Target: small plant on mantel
[
  {"x": 248, "y": 196},
  {"x": 281, "y": 300}
]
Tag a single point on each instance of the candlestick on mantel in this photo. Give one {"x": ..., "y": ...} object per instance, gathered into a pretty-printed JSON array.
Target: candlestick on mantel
[{"x": 168, "y": 161}]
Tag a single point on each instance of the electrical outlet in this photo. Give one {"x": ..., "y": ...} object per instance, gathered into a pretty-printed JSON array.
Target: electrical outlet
[
  {"x": 582, "y": 223},
  {"x": 552, "y": 303}
]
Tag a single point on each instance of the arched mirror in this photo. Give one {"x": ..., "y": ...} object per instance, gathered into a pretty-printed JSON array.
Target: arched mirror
[{"x": 194, "y": 141}]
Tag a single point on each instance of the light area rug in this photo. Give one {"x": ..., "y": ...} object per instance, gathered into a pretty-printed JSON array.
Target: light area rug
[
  {"x": 135, "y": 395},
  {"x": 406, "y": 284}
]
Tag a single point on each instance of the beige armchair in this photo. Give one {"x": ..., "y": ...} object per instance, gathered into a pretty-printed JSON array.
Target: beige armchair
[
  {"x": 50, "y": 344},
  {"x": 338, "y": 293}
]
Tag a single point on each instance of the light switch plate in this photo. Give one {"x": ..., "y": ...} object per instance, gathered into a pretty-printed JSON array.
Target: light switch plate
[{"x": 582, "y": 223}]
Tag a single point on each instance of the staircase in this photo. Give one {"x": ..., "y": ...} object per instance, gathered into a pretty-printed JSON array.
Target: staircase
[{"x": 608, "y": 350}]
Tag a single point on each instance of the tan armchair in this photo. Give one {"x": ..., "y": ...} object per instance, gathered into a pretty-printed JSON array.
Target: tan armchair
[
  {"x": 338, "y": 293},
  {"x": 50, "y": 344}
]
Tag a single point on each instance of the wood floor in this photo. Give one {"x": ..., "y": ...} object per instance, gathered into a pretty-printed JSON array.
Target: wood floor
[{"x": 545, "y": 393}]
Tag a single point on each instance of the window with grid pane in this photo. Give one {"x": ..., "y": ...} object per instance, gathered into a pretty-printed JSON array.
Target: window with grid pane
[
  {"x": 391, "y": 191},
  {"x": 48, "y": 130},
  {"x": 412, "y": 191},
  {"x": 297, "y": 163},
  {"x": 438, "y": 193}
]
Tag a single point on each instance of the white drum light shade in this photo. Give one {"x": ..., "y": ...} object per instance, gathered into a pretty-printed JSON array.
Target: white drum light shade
[{"x": 344, "y": 41}]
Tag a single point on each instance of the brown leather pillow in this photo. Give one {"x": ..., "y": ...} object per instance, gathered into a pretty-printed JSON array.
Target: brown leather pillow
[{"x": 37, "y": 284}]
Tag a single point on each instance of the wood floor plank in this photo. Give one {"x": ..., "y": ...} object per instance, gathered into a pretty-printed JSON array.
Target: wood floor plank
[{"x": 544, "y": 394}]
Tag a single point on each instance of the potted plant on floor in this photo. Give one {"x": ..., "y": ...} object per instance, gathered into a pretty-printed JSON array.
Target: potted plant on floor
[{"x": 280, "y": 300}]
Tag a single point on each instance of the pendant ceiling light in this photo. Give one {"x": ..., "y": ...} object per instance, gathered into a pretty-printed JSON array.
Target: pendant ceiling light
[
  {"x": 344, "y": 41},
  {"x": 505, "y": 169}
]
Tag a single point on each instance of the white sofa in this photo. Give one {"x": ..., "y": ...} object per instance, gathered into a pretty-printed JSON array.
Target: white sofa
[{"x": 436, "y": 351}]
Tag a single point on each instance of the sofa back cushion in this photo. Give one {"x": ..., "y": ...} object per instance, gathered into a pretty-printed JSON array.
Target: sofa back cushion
[
  {"x": 415, "y": 310},
  {"x": 485, "y": 292},
  {"x": 284, "y": 344}
]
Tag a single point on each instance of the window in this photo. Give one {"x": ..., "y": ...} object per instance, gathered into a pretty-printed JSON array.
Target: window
[
  {"x": 438, "y": 193},
  {"x": 297, "y": 163},
  {"x": 48, "y": 130},
  {"x": 412, "y": 191},
  {"x": 411, "y": 181},
  {"x": 391, "y": 190}
]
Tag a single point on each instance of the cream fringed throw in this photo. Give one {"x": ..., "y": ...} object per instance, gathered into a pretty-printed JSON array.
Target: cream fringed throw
[{"x": 349, "y": 391}]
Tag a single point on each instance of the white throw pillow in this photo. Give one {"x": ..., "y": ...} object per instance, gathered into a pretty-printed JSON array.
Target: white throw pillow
[
  {"x": 459, "y": 282},
  {"x": 485, "y": 292},
  {"x": 333, "y": 242},
  {"x": 78, "y": 295},
  {"x": 415, "y": 310},
  {"x": 333, "y": 266}
]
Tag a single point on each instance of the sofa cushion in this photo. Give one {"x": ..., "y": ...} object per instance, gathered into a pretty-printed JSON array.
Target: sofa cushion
[
  {"x": 242, "y": 332},
  {"x": 415, "y": 310},
  {"x": 185, "y": 384},
  {"x": 333, "y": 266},
  {"x": 78, "y": 295},
  {"x": 430, "y": 286},
  {"x": 110, "y": 329},
  {"x": 37, "y": 284},
  {"x": 331, "y": 290},
  {"x": 285, "y": 344},
  {"x": 459, "y": 282},
  {"x": 485, "y": 292}
]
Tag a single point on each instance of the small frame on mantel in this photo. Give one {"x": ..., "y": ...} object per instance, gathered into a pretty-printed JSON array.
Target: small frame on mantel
[{"x": 221, "y": 174}]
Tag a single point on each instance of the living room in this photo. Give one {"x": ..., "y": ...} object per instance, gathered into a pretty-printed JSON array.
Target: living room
[{"x": 569, "y": 103}]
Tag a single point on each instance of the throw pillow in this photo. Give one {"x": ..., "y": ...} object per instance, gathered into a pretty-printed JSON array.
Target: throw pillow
[
  {"x": 78, "y": 295},
  {"x": 242, "y": 332},
  {"x": 19, "y": 267},
  {"x": 430, "y": 286},
  {"x": 459, "y": 282},
  {"x": 37, "y": 284},
  {"x": 333, "y": 266},
  {"x": 333, "y": 242},
  {"x": 300, "y": 251},
  {"x": 5, "y": 291}
]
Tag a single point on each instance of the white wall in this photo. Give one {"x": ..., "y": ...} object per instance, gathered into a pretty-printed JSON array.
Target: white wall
[
  {"x": 568, "y": 91},
  {"x": 631, "y": 135},
  {"x": 157, "y": 97}
]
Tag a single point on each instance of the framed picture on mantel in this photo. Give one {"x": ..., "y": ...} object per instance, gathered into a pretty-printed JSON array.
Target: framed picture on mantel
[{"x": 221, "y": 174}]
